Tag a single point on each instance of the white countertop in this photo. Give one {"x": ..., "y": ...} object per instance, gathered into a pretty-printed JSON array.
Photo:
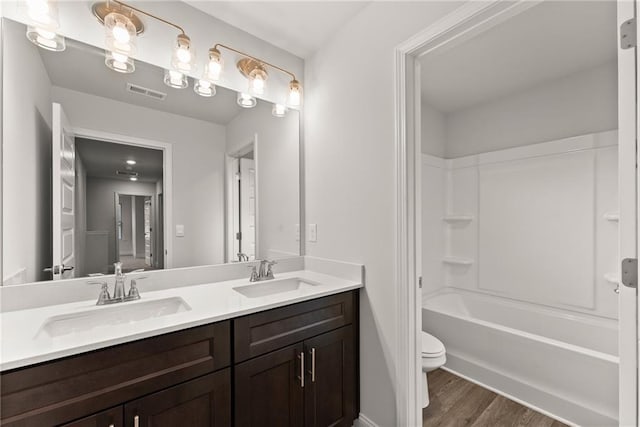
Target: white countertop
[{"x": 24, "y": 342}]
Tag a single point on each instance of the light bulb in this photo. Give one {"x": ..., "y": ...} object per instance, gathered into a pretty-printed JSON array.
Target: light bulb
[
  {"x": 295, "y": 93},
  {"x": 133, "y": 178},
  {"x": 43, "y": 12},
  {"x": 120, "y": 33},
  {"x": 257, "y": 85},
  {"x": 246, "y": 101},
  {"x": 175, "y": 79},
  {"x": 131, "y": 162},
  {"x": 183, "y": 57},
  {"x": 279, "y": 110},
  {"x": 214, "y": 68}
]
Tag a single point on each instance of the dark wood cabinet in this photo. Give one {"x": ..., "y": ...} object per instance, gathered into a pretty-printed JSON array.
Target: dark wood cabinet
[
  {"x": 203, "y": 402},
  {"x": 110, "y": 418},
  {"x": 268, "y": 389},
  {"x": 331, "y": 381},
  {"x": 311, "y": 383}
]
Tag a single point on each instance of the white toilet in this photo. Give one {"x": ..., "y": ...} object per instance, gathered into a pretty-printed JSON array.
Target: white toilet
[{"x": 433, "y": 357}]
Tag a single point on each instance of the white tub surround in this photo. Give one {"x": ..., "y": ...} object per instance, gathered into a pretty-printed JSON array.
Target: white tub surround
[
  {"x": 536, "y": 223},
  {"x": 561, "y": 364},
  {"x": 25, "y": 341}
]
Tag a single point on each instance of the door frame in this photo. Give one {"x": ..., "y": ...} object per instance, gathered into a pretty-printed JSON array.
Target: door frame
[
  {"x": 167, "y": 176},
  {"x": 463, "y": 23},
  {"x": 245, "y": 148}
]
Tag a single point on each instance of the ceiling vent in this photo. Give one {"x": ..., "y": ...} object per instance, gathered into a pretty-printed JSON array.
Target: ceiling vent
[
  {"x": 146, "y": 92},
  {"x": 126, "y": 173}
]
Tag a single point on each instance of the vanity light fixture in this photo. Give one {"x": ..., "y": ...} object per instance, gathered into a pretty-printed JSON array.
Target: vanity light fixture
[
  {"x": 245, "y": 100},
  {"x": 213, "y": 68},
  {"x": 122, "y": 25},
  {"x": 255, "y": 70},
  {"x": 131, "y": 162},
  {"x": 279, "y": 110},
  {"x": 175, "y": 79},
  {"x": 44, "y": 23}
]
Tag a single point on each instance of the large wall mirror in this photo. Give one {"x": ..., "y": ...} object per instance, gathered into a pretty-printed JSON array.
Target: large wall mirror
[{"x": 100, "y": 167}]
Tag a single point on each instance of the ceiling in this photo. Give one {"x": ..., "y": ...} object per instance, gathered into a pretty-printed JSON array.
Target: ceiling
[
  {"x": 299, "y": 27},
  {"x": 81, "y": 68},
  {"x": 546, "y": 42},
  {"x": 102, "y": 160}
]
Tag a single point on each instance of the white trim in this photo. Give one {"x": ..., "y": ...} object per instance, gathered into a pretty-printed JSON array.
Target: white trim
[
  {"x": 167, "y": 177},
  {"x": 466, "y": 21},
  {"x": 365, "y": 421}
]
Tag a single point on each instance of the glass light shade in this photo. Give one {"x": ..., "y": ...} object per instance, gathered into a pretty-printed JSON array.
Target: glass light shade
[
  {"x": 257, "y": 84},
  {"x": 119, "y": 62},
  {"x": 46, "y": 38},
  {"x": 175, "y": 79},
  {"x": 120, "y": 34},
  {"x": 295, "y": 93},
  {"x": 43, "y": 13},
  {"x": 246, "y": 101},
  {"x": 204, "y": 88},
  {"x": 279, "y": 110},
  {"x": 184, "y": 57},
  {"x": 213, "y": 68}
]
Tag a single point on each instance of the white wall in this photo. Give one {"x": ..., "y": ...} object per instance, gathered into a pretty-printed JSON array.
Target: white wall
[
  {"x": 349, "y": 173},
  {"x": 433, "y": 232},
  {"x": 198, "y": 166},
  {"x": 432, "y": 130},
  {"x": 26, "y": 146},
  {"x": 278, "y": 174},
  {"x": 578, "y": 104}
]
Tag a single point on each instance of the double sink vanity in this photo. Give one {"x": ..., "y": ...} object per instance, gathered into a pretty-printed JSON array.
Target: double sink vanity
[{"x": 282, "y": 351}]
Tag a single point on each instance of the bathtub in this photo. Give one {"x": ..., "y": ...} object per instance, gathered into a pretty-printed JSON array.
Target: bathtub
[{"x": 561, "y": 363}]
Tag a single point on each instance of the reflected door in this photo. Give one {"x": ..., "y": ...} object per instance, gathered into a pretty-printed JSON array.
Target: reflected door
[
  {"x": 63, "y": 196},
  {"x": 147, "y": 231},
  {"x": 248, "y": 207}
]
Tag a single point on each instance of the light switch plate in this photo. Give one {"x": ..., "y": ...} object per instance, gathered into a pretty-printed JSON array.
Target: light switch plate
[
  {"x": 313, "y": 233},
  {"x": 179, "y": 230}
]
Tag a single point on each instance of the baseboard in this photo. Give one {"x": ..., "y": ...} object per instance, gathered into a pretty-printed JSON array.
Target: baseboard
[{"x": 364, "y": 421}]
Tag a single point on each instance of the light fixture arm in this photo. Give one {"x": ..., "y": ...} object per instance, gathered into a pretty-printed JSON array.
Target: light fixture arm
[
  {"x": 123, "y": 4},
  {"x": 293, "y": 76}
]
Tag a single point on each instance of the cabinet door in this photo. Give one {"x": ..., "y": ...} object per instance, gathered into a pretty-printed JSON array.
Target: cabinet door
[
  {"x": 269, "y": 389},
  {"x": 331, "y": 379},
  {"x": 203, "y": 402},
  {"x": 110, "y": 418}
]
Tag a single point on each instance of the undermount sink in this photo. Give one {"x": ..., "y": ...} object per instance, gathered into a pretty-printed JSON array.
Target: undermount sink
[
  {"x": 271, "y": 287},
  {"x": 118, "y": 314}
]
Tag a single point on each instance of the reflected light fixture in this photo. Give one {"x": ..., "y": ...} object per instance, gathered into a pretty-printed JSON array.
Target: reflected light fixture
[
  {"x": 245, "y": 100},
  {"x": 175, "y": 79},
  {"x": 119, "y": 62},
  {"x": 279, "y": 110},
  {"x": 255, "y": 70},
  {"x": 204, "y": 87},
  {"x": 131, "y": 162},
  {"x": 133, "y": 178},
  {"x": 41, "y": 31}
]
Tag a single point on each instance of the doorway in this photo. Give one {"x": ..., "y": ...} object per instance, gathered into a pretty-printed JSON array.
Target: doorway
[
  {"x": 135, "y": 221},
  {"x": 465, "y": 263}
]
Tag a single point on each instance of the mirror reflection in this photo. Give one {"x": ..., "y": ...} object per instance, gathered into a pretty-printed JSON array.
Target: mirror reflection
[{"x": 100, "y": 167}]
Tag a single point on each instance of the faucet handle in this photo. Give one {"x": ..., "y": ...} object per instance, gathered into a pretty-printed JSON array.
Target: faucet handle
[
  {"x": 269, "y": 271},
  {"x": 104, "y": 292},
  {"x": 254, "y": 273},
  {"x": 133, "y": 288}
]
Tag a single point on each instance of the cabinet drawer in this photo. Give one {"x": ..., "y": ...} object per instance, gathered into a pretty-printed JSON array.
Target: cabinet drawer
[
  {"x": 73, "y": 387},
  {"x": 110, "y": 418},
  {"x": 263, "y": 332}
]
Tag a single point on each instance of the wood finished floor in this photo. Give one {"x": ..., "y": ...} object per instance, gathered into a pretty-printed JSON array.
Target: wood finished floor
[{"x": 456, "y": 402}]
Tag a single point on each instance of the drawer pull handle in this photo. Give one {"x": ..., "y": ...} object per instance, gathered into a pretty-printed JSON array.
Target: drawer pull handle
[
  {"x": 313, "y": 365},
  {"x": 136, "y": 421},
  {"x": 301, "y": 377}
]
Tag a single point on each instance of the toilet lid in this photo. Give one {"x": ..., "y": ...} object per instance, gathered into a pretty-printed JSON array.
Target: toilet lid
[{"x": 431, "y": 345}]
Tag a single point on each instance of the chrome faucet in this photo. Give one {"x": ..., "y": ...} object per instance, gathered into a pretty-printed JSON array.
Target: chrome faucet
[
  {"x": 118, "y": 289},
  {"x": 264, "y": 272}
]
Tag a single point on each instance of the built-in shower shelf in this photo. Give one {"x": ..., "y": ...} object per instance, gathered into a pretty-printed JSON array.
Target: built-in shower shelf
[
  {"x": 612, "y": 216},
  {"x": 612, "y": 278},
  {"x": 455, "y": 260},
  {"x": 457, "y": 218}
]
